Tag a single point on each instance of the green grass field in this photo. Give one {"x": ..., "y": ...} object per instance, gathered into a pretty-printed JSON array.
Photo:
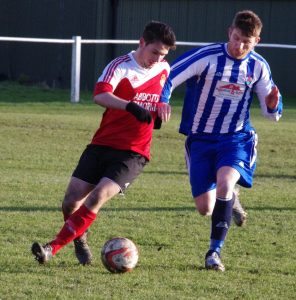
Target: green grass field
[{"x": 42, "y": 136}]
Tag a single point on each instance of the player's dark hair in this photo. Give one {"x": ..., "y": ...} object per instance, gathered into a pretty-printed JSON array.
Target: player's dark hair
[
  {"x": 156, "y": 31},
  {"x": 248, "y": 22}
]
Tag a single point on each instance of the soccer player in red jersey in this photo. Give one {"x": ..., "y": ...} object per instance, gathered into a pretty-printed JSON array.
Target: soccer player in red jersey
[{"x": 129, "y": 88}]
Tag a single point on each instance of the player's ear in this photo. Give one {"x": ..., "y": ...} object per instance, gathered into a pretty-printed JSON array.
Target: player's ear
[
  {"x": 142, "y": 42},
  {"x": 257, "y": 39},
  {"x": 230, "y": 29}
]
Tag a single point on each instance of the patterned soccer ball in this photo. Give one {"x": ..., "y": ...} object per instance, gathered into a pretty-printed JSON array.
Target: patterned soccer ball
[{"x": 119, "y": 255}]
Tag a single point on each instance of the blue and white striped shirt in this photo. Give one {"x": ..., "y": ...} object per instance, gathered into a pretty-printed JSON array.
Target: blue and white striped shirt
[{"x": 220, "y": 89}]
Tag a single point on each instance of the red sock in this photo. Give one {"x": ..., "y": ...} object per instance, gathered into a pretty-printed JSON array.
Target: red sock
[
  {"x": 66, "y": 214},
  {"x": 75, "y": 225}
]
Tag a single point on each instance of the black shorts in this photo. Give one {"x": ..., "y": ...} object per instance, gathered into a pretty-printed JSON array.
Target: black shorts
[{"x": 120, "y": 166}]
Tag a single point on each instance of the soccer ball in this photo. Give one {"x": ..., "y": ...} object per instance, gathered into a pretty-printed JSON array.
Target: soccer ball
[{"x": 119, "y": 255}]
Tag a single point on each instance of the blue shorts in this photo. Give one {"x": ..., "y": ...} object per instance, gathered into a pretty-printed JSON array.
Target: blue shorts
[{"x": 206, "y": 153}]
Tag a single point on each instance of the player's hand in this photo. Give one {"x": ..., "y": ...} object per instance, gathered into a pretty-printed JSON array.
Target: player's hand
[
  {"x": 141, "y": 114},
  {"x": 272, "y": 99},
  {"x": 164, "y": 111}
]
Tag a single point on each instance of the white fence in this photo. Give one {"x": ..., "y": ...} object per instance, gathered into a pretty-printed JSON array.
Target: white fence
[{"x": 76, "y": 42}]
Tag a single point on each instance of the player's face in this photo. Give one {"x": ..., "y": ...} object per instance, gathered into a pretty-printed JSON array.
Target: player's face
[
  {"x": 240, "y": 45},
  {"x": 150, "y": 54}
]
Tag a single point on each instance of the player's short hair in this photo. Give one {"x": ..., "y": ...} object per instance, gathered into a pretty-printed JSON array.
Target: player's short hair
[
  {"x": 248, "y": 22},
  {"x": 156, "y": 31}
]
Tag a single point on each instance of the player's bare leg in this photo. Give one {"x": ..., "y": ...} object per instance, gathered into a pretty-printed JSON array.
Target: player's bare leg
[
  {"x": 205, "y": 203},
  {"x": 76, "y": 194},
  {"x": 79, "y": 221},
  {"x": 221, "y": 214}
]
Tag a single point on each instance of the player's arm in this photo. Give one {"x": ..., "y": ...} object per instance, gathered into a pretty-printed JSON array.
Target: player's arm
[
  {"x": 182, "y": 69},
  {"x": 271, "y": 104},
  {"x": 163, "y": 114},
  {"x": 104, "y": 96},
  {"x": 269, "y": 95},
  {"x": 164, "y": 111},
  {"x": 109, "y": 100},
  {"x": 272, "y": 100},
  {"x": 175, "y": 78}
]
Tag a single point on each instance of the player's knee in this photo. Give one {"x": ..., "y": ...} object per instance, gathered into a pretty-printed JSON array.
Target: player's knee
[
  {"x": 205, "y": 204},
  {"x": 225, "y": 189},
  {"x": 68, "y": 206},
  {"x": 204, "y": 211}
]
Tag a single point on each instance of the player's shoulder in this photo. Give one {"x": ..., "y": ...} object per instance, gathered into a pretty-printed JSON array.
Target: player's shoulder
[
  {"x": 118, "y": 65},
  {"x": 260, "y": 61},
  {"x": 258, "y": 57},
  {"x": 120, "y": 60},
  {"x": 201, "y": 52},
  {"x": 209, "y": 49}
]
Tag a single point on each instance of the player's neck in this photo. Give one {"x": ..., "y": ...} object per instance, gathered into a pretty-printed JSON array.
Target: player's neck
[{"x": 137, "y": 56}]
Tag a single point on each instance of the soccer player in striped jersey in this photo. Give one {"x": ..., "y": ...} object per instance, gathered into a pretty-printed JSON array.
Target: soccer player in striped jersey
[
  {"x": 221, "y": 143},
  {"x": 129, "y": 88}
]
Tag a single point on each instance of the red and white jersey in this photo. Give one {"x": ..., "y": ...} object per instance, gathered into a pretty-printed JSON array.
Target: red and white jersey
[{"x": 126, "y": 79}]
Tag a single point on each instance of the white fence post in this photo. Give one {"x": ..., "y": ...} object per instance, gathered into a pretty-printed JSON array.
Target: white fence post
[{"x": 75, "y": 69}]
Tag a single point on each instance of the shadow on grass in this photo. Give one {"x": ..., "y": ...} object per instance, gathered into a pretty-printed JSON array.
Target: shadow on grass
[
  {"x": 272, "y": 208},
  {"x": 277, "y": 176},
  {"x": 139, "y": 209},
  {"x": 167, "y": 172},
  {"x": 107, "y": 209}
]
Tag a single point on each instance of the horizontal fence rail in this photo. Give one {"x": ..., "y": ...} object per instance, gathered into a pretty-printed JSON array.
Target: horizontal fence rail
[{"x": 76, "y": 42}]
